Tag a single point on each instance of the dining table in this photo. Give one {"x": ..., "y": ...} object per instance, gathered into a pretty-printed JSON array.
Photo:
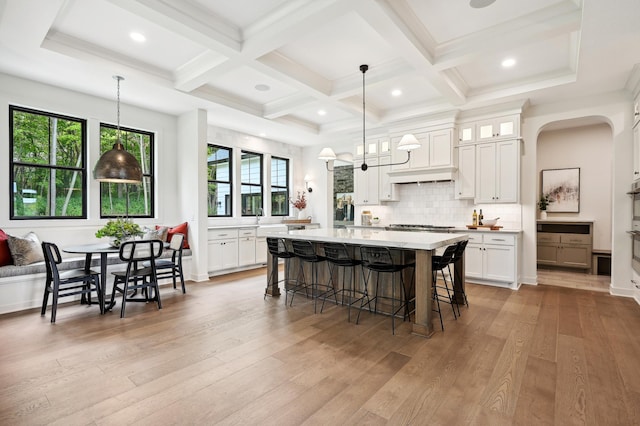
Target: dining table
[
  {"x": 103, "y": 250},
  {"x": 422, "y": 244}
]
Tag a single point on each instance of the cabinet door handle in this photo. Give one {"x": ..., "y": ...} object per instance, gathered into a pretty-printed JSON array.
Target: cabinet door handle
[{"x": 222, "y": 235}]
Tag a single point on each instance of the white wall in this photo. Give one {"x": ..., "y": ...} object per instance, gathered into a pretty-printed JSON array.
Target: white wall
[
  {"x": 590, "y": 149},
  {"x": 26, "y": 93}
]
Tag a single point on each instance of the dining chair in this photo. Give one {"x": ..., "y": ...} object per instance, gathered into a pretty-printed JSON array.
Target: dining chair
[
  {"x": 67, "y": 283},
  {"x": 171, "y": 268},
  {"x": 136, "y": 278},
  {"x": 441, "y": 290}
]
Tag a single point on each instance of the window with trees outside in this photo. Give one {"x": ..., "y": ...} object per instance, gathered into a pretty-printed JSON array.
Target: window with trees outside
[
  {"x": 279, "y": 186},
  {"x": 48, "y": 165},
  {"x": 219, "y": 200},
  {"x": 251, "y": 183},
  {"x": 128, "y": 199}
]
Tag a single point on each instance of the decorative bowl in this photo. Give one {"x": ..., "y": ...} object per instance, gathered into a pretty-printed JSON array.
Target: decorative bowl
[
  {"x": 490, "y": 222},
  {"x": 375, "y": 221}
]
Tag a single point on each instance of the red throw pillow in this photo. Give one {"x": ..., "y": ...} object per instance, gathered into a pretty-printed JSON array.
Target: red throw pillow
[
  {"x": 179, "y": 229},
  {"x": 5, "y": 253}
]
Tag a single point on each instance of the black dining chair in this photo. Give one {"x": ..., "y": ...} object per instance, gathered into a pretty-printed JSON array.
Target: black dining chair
[
  {"x": 171, "y": 268},
  {"x": 134, "y": 278},
  {"x": 67, "y": 283},
  {"x": 441, "y": 290}
]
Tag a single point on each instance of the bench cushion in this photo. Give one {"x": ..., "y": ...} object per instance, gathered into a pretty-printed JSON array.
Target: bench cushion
[{"x": 67, "y": 264}]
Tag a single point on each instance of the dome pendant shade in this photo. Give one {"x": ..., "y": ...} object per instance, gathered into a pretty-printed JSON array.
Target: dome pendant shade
[{"x": 117, "y": 165}]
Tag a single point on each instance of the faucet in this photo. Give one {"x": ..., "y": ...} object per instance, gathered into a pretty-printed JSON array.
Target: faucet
[{"x": 258, "y": 214}]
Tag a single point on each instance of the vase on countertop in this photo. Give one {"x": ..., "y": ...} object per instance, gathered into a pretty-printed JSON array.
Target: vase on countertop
[
  {"x": 302, "y": 214},
  {"x": 543, "y": 214}
]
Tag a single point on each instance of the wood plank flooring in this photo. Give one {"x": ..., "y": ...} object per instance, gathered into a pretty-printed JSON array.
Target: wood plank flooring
[{"x": 543, "y": 355}]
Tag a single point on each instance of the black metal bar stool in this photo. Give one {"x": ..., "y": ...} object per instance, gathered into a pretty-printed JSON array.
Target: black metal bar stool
[
  {"x": 278, "y": 248},
  {"x": 439, "y": 264},
  {"x": 378, "y": 259},
  {"x": 458, "y": 255},
  {"x": 339, "y": 258},
  {"x": 304, "y": 251}
]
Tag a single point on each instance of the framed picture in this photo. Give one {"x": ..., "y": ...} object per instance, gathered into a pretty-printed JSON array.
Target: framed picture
[{"x": 562, "y": 186}]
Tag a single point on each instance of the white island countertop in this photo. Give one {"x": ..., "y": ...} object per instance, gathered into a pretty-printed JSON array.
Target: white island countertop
[{"x": 376, "y": 237}]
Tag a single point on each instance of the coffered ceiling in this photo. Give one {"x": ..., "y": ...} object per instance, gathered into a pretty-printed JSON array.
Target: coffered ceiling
[{"x": 270, "y": 66}]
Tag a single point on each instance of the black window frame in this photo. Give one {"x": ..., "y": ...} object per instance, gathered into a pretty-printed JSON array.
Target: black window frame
[
  {"x": 260, "y": 185},
  {"x": 218, "y": 181},
  {"x": 287, "y": 187},
  {"x": 82, "y": 169},
  {"x": 150, "y": 174}
]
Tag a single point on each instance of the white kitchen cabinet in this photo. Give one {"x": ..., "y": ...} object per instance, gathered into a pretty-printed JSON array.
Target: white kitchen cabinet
[
  {"x": 387, "y": 191},
  {"x": 491, "y": 258},
  {"x": 223, "y": 253},
  {"x": 440, "y": 148},
  {"x": 436, "y": 151},
  {"x": 498, "y": 128},
  {"x": 467, "y": 132},
  {"x": 246, "y": 246},
  {"x": 636, "y": 152},
  {"x": 465, "y": 185},
  {"x": 366, "y": 184},
  {"x": 498, "y": 172}
]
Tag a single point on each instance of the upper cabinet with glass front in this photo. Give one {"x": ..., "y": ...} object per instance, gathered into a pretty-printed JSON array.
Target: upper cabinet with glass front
[{"x": 491, "y": 129}]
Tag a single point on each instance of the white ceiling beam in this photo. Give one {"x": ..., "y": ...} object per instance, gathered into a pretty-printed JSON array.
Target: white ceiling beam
[
  {"x": 384, "y": 18},
  {"x": 515, "y": 33},
  {"x": 228, "y": 100},
  {"x": 287, "y": 105},
  {"x": 199, "y": 71},
  {"x": 188, "y": 20},
  {"x": 89, "y": 52}
]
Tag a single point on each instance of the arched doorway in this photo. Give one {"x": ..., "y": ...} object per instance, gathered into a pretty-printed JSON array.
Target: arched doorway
[{"x": 582, "y": 146}]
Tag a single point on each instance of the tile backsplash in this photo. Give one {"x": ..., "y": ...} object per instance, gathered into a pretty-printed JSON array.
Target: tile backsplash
[{"x": 434, "y": 203}]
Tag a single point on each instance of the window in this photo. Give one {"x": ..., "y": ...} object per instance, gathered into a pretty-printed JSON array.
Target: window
[
  {"x": 47, "y": 162},
  {"x": 128, "y": 199},
  {"x": 279, "y": 186},
  {"x": 251, "y": 183},
  {"x": 219, "y": 180}
]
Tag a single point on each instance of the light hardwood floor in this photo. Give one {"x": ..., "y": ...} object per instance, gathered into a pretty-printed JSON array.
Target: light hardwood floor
[{"x": 222, "y": 355}]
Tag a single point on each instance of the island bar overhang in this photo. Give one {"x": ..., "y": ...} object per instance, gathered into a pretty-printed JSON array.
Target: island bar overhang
[{"x": 423, "y": 244}]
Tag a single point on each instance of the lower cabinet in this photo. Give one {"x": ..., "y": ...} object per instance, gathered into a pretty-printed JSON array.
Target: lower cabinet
[
  {"x": 565, "y": 244},
  {"x": 223, "y": 254},
  {"x": 492, "y": 259},
  {"x": 246, "y": 246}
]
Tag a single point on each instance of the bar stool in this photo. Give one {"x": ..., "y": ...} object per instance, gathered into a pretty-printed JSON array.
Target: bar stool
[
  {"x": 439, "y": 264},
  {"x": 378, "y": 259},
  {"x": 304, "y": 251},
  {"x": 459, "y": 253},
  {"x": 339, "y": 258},
  {"x": 278, "y": 249}
]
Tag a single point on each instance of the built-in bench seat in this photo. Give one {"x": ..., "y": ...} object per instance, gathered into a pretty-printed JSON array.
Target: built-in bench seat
[{"x": 67, "y": 264}]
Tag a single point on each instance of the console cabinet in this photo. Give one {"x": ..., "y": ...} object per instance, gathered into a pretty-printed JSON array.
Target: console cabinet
[{"x": 565, "y": 244}]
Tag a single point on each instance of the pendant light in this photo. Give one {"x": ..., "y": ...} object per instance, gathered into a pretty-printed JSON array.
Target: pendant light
[
  {"x": 408, "y": 142},
  {"x": 117, "y": 165}
]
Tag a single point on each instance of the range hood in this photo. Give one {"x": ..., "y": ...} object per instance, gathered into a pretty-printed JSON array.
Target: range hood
[{"x": 434, "y": 174}]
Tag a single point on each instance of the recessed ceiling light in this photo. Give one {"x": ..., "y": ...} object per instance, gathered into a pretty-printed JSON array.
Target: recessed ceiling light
[
  {"x": 396, "y": 92},
  {"x": 508, "y": 63},
  {"x": 135, "y": 36},
  {"x": 322, "y": 112},
  {"x": 262, "y": 87},
  {"x": 479, "y": 4}
]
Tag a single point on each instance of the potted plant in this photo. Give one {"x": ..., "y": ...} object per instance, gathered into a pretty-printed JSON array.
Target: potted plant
[
  {"x": 542, "y": 205},
  {"x": 119, "y": 230}
]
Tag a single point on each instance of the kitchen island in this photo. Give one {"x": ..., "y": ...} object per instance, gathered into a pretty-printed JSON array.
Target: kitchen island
[{"x": 422, "y": 244}]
